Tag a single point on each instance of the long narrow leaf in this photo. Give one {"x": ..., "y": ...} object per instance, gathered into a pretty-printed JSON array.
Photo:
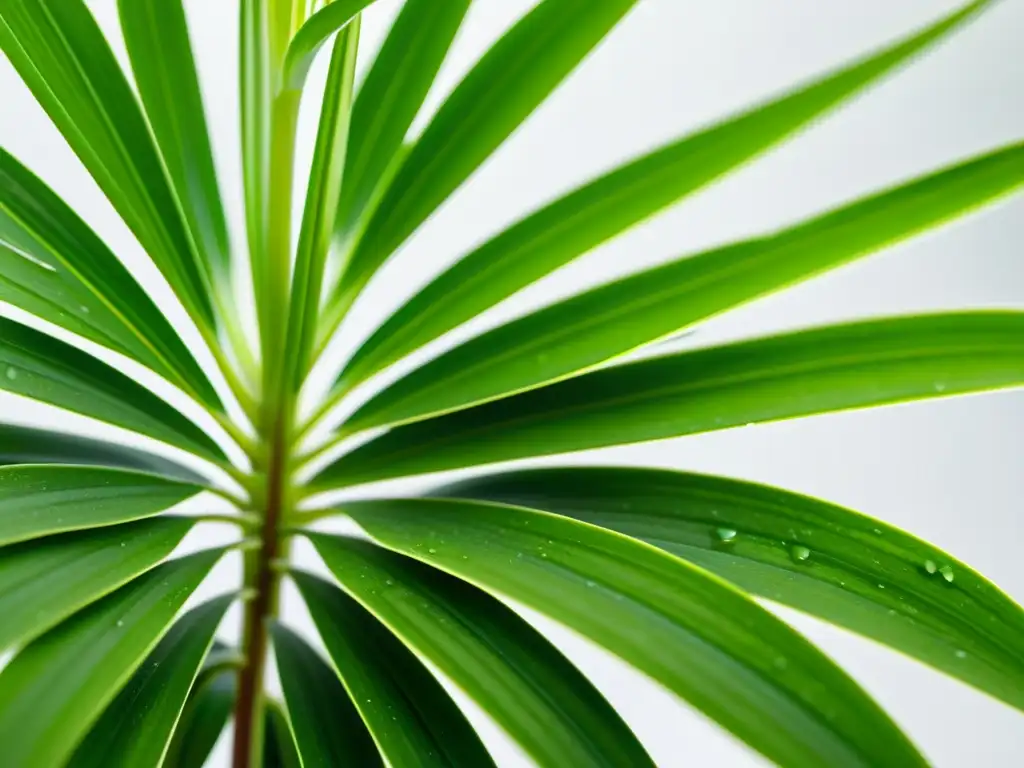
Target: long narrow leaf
[
  {"x": 522, "y": 681},
  {"x": 613, "y": 319},
  {"x": 316, "y": 31},
  {"x": 843, "y": 567},
  {"x": 412, "y": 719},
  {"x": 204, "y": 718},
  {"x": 28, "y": 445},
  {"x": 54, "y": 266},
  {"x": 511, "y": 80},
  {"x": 60, "y": 53},
  {"x": 57, "y": 687},
  {"x": 43, "y": 368},
  {"x": 279, "y": 749},
  {"x": 695, "y": 634},
  {"x": 138, "y": 724},
  {"x": 328, "y": 729},
  {"x": 781, "y": 377},
  {"x": 157, "y": 39},
  {"x": 572, "y": 225},
  {"x": 43, "y": 582}
]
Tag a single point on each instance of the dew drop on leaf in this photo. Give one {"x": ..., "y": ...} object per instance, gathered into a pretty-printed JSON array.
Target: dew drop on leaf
[
  {"x": 12, "y": 373},
  {"x": 947, "y": 573},
  {"x": 930, "y": 566},
  {"x": 725, "y": 534},
  {"x": 800, "y": 553}
]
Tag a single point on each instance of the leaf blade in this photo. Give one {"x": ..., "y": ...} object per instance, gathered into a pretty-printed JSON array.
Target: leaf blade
[
  {"x": 312, "y": 35},
  {"x": 637, "y": 602},
  {"x": 783, "y": 377}
]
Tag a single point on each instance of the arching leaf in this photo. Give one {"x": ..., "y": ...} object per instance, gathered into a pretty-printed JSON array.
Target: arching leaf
[{"x": 312, "y": 35}]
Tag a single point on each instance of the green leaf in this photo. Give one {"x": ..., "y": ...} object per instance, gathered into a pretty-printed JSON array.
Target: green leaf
[
  {"x": 43, "y": 368},
  {"x": 391, "y": 96},
  {"x": 833, "y": 563},
  {"x": 54, "y": 266},
  {"x": 697, "y": 635},
  {"x": 137, "y": 726},
  {"x": 618, "y": 317},
  {"x": 311, "y": 36},
  {"x": 61, "y": 55},
  {"x": 327, "y": 727},
  {"x": 522, "y": 681},
  {"x": 56, "y": 687},
  {"x": 279, "y": 750},
  {"x": 157, "y": 39},
  {"x": 202, "y": 721},
  {"x": 411, "y": 717},
  {"x": 857, "y": 365},
  {"x": 28, "y": 445},
  {"x": 508, "y": 83},
  {"x": 324, "y": 190},
  {"x": 40, "y": 500},
  {"x": 572, "y": 225},
  {"x": 43, "y": 582}
]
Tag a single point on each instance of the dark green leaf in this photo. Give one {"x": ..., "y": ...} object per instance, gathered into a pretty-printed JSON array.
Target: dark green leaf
[
  {"x": 137, "y": 726},
  {"x": 43, "y": 582},
  {"x": 838, "y": 565},
  {"x": 43, "y": 368},
  {"x": 28, "y": 445},
  {"x": 39, "y": 500},
  {"x": 313, "y": 34},
  {"x": 156, "y": 36},
  {"x": 54, "y": 266},
  {"x": 876, "y": 362},
  {"x": 566, "y": 228},
  {"x": 328, "y": 729},
  {"x": 704, "y": 640},
  {"x": 57, "y": 686},
  {"x": 412, "y": 719},
  {"x": 61, "y": 55},
  {"x": 279, "y": 750},
  {"x": 202, "y": 721},
  {"x": 521, "y": 680},
  {"x": 511, "y": 80},
  {"x": 391, "y": 96}
]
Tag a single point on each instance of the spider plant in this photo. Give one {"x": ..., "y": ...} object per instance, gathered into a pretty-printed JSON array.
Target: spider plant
[{"x": 106, "y": 663}]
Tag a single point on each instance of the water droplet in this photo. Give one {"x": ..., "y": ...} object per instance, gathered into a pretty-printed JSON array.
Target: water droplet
[
  {"x": 120, "y": 622},
  {"x": 930, "y": 566},
  {"x": 124, "y": 543},
  {"x": 590, "y": 583},
  {"x": 881, "y": 586},
  {"x": 800, "y": 553},
  {"x": 947, "y": 573},
  {"x": 389, "y": 582},
  {"x": 12, "y": 373},
  {"x": 940, "y": 386},
  {"x": 544, "y": 555},
  {"x": 961, "y": 654},
  {"x": 726, "y": 534},
  {"x": 878, "y": 531},
  {"x": 84, "y": 309},
  {"x": 432, "y": 551}
]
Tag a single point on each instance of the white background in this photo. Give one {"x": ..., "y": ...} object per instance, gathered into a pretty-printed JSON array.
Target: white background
[{"x": 948, "y": 471}]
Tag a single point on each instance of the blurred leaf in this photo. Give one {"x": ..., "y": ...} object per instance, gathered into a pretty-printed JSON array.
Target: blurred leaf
[
  {"x": 54, "y": 266},
  {"x": 43, "y": 368},
  {"x": 202, "y": 721},
  {"x": 845, "y": 568},
  {"x": 698, "y": 636},
  {"x": 43, "y": 582},
  {"x": 137, "y": 726},
  {"x": 328, "y": 729},
  {"x": 522, "y": 681},
  {"x": 279, "y": 750},
  {"x": 574, "y": 224},
  {"x": 858, "y": 365},
  {"x": 591, "y": 328},
  {"x": 61, "y": 55},
  {"x": 57, "y": 687},
  {"x": 413, "y": 720}
]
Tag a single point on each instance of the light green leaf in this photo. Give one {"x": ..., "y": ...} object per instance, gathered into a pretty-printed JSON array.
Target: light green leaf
[
  {"x": 43, "y": 368},
  {"x": 311, "y": 36},
  {"x": 28, "y": 445},
  {"x": 54, "y": 266},
  {"x": 391, "y": 96},
  {"x": 572, "y": 225},
  {"x": 327, "y": 727},
  {"x": 156, "y": 36},
  {"x": 322, "y": 195},
  {"x": 858, "y": 365},
  {"x": 522, "y": 681},
  {"x": 695, "y": 634},
  {"x": 412, "y": 719},
  {"x": 137, "y": 726},
  {"x": 43, "y": 582},
  {"x": 511, "y": 80},
  {"x": 279, "y": 750},
  {"x": 838, "y": 565},
  {"x": 40, "y": 500},
  {"x": 618, "y": 317},
  {"x": 61, "y": 55},
  {"x": 56, "y": 687}
]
